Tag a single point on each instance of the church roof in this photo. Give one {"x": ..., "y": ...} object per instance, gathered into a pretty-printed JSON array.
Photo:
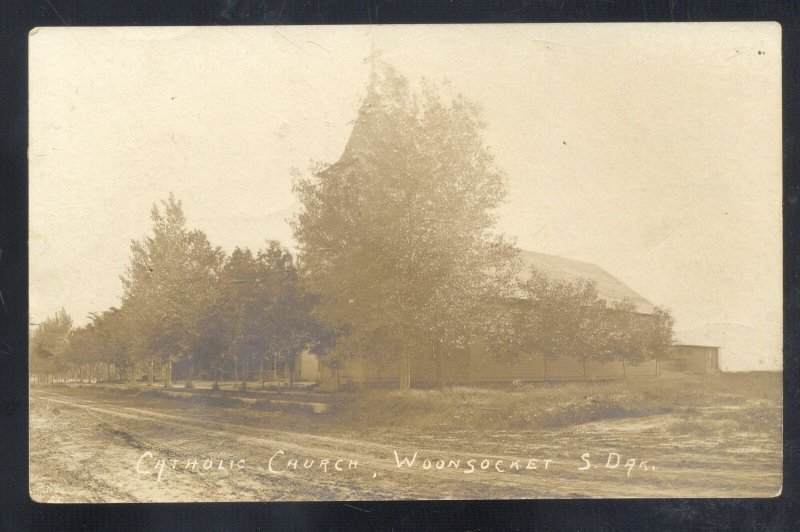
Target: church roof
[{"x": 561, "y": 269}]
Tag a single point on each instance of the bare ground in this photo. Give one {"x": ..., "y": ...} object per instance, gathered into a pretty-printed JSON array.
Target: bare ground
[{"x": 85, "y": 447}]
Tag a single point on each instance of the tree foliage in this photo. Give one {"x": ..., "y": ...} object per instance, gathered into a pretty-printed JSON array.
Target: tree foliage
[
  {"x": 397, "y": 238},
  {"x": 259, "y": 309},
  {"x": 169, "y": 282},
  {"x": 49, "y": 343},
  {"x": 560, "y": 318},
  {"x": 184, "y": 301}
]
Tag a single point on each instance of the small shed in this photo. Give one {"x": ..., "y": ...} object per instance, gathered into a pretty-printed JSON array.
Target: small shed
[{"x": 699, "y": 359}]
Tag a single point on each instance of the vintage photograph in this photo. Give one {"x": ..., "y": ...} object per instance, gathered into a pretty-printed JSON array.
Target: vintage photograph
[{"x": 405, "y": 262}]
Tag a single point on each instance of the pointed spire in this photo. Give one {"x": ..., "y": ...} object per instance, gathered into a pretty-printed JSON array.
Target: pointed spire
[
  {"x": 362, "y": 127},
  {"x": 373, "y": 74}
]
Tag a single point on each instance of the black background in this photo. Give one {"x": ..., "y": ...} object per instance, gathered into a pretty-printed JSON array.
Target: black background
[{"x": 18, "y": 513}]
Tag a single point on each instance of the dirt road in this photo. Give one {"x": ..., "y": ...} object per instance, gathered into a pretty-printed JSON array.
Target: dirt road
[{"x": 106, "y": 449}]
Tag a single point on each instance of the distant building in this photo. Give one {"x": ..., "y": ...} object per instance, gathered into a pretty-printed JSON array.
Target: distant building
[
  {"x": 476, "y": 364},
  {"x": 699, "y": 359}
]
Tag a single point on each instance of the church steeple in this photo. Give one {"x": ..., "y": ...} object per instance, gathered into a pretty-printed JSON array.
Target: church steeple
[
  {"x": 362, "y": 127},
  {"x": 372, "y": 58}
]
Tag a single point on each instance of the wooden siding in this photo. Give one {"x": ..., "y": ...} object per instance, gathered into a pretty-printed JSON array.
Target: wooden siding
[
  {"x": 308, "y": 367},
  {"x": 476, "y": 365},
  {"x": 693, "y": 359},
  {"x": 483, "y": 367},
  {"x": 645, "y": 369}
]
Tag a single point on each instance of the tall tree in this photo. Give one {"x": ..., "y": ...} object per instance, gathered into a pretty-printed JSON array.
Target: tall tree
[
  {"x": 119, "y": 343},
  {"x": 659, "y": 333},
  {"x": 240, "y": 300},
  {"x": 261, "y": 312},
  {"x": 397, "y": 237},
  {"x": 289, "y": 319},
  {"x": 84, "y": 349},
  {"x": 169, "y": 280},
  {"x": 49, "y": 344}
]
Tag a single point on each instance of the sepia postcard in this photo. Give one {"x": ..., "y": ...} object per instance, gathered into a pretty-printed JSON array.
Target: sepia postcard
[{"x": 405, "y": 262}]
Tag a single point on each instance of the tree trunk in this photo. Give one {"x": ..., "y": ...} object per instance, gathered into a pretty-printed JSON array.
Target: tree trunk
[
  {"x": 623, "y": 368},
  {"x": 189, "y": 384},
  {"x": 236, "y": 369},
  {"x": 545, "y": 367},
  {"x": 168, "y": 376},
  {"x": 150, "y": 373},
  {"x": 262, "y": 372},
  {"x": 245, "y": 371},
  {"x": 437, "y": 357},
  {"x": 584, "y": 369},
  {"x": 405, "y": 372}
]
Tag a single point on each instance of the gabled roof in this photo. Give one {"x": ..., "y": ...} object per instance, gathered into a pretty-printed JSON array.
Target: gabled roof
[{"x": 560, "y": 269}]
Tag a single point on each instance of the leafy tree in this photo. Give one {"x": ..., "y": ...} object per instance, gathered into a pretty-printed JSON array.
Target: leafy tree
[
  {"x": 624, "y": 335},
  {"x": 569, "y": 317},
  {"x": 293, "y": 328},
  {"x": 635, "y": 337},
  {"x": 260, "y": 311},
  {"x": 240, "y": 300},
  {"x": 84, "y": 348},
  {"x": 397, "y": 237},
  {"x": 49, "y": 344},
  {"x": 660, "y": 333},
  {"x": 561, "y": 318},
  {"x": 117, "y": 339},
  {"x": 169, "y": 281}
]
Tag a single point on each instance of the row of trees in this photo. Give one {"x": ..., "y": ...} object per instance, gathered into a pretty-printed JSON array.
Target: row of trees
[
  {"x": 398, "y": 256},
  {"x": 186, "y": 305},
  {"x": 560, "y": 318}
]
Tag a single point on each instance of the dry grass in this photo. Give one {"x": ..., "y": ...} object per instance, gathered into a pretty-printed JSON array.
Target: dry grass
[{"x": 551, "y": 405}]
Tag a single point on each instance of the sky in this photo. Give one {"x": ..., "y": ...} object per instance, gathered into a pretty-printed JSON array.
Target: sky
[{"x": 651, "y": 150}]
